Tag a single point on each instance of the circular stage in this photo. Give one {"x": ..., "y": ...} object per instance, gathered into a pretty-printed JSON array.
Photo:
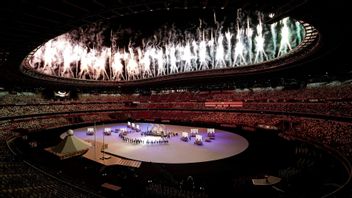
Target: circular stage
[{"x": 135, "y": 146}]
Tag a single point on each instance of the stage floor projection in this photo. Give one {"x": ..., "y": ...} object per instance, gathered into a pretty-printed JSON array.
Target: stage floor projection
[{"x": 176, "y": 151}]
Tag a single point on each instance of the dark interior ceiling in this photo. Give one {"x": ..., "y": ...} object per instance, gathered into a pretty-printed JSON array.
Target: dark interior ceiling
[{"x": 26, "y": 24}]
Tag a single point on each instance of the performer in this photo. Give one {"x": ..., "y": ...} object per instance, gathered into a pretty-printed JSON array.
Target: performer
[{"x": 266, "y": 179}]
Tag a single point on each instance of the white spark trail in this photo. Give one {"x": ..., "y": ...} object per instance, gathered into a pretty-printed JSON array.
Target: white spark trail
[{"x": 84, "y": 54}]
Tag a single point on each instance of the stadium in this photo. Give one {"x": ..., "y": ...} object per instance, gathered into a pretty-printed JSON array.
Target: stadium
[{"x": 175, "y": 98}]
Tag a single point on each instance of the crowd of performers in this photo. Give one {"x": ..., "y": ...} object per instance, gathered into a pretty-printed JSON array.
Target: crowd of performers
[
  {"x": 162, "y": 134},
  {"x": 123, "y": 136}
]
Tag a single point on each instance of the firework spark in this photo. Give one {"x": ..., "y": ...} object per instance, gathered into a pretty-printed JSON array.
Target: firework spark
[{"x": 168, "y": 51}]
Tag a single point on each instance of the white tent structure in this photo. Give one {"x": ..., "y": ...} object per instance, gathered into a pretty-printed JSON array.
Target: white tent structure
[{"x": 70, "y": 146}]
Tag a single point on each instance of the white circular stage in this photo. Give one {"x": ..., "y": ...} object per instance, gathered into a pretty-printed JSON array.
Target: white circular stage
[{"x": 174, "y": 151}]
